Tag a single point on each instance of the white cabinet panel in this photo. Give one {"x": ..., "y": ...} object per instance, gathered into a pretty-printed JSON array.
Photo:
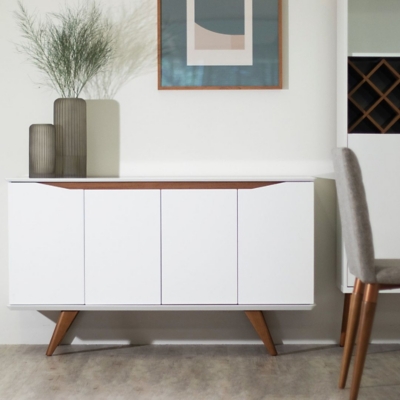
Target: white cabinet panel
[
  {"x": 46, "y": 252},
  {"x": 150, "y": 247},
  {"x": 380, "y": 165},
  {"x": 276, "y": 244},
  {"x": 199, "y": 246},
  {"x": 122, "y": 231}
]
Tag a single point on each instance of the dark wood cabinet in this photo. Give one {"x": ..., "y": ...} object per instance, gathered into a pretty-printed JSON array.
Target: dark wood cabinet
[{"x": 374, "y": 95}]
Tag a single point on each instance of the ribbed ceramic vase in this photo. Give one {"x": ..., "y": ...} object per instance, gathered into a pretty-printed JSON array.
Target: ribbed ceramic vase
[
  {"x": 42, "y": 151},
  {"x": 71, "y": 137}
]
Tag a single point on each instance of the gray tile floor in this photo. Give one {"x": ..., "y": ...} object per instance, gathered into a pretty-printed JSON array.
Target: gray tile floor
[{"x": 190, "y": 373}]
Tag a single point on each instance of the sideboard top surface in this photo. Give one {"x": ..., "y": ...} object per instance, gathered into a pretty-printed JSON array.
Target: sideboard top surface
[{"x": 164, "y": 182}]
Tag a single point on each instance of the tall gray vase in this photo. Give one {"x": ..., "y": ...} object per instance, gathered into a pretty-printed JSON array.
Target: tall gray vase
[
  {"x": 71, "y": 137},
  {"x": 42, "y": 151}
]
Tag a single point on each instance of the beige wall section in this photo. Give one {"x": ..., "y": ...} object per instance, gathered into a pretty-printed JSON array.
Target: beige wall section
[
  {"x": 148, "y": 132},
  {"x": 374, "y": 26}
]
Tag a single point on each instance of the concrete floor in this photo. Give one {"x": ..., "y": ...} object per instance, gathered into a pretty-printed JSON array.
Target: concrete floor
[{"x": 190, "y": 373}]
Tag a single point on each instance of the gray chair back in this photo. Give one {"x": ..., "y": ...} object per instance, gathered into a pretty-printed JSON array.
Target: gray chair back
[{"x": 354, "y": 215}]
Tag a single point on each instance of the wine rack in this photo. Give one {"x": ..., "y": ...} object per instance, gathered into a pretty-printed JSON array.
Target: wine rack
[{"x": 374, "y": 95}]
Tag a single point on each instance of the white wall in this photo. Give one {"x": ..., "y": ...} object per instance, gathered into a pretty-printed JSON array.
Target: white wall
[
  {"x": 235, "y": 133},
  {"x": 374, "y": 26}
]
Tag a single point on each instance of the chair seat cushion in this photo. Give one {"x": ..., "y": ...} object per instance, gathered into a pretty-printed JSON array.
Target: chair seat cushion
[{"x": 387, "y": 271}]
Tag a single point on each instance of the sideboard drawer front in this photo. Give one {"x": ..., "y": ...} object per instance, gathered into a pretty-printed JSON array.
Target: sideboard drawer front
[
  {"x": 46, "y": 253},
  {"x": 276, "y": 244},
  {"x": 122, "y": 231},
  {"x": 199, "y": 246}
]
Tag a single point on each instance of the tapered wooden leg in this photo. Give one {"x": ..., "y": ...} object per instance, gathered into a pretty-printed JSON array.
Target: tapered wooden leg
[
  {"x": 366, "y": 321},
  {"x": 65, "y": 320},
  {"x": 345, "y": 317},
  {"x": 257, "y": 320},
  {"x": 352, "y": 324}
]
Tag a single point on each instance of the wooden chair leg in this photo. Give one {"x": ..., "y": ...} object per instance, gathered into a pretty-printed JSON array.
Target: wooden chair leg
[
  {"x": 364, "y": 334},
  {"x": 345, "y": 317},
  {"x": 352, "y": 324},
  {"x": 64, "y": 322},
  {"x": 257, "y": 320}
]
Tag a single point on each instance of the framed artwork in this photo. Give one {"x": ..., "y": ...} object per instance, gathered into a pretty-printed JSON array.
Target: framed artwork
[{"x": 219, "y": 44}]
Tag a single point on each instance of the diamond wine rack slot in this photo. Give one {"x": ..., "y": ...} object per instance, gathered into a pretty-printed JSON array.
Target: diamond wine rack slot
[{"x": 374, "y": 95}]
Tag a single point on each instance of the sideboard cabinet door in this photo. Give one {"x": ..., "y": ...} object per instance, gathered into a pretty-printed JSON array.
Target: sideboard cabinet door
[
  {"x": 199, "y": 246},
  {"x": 276, "y": 244},
  {"x": 46, "y": 255},
  {"x": 122, "y": 238}
]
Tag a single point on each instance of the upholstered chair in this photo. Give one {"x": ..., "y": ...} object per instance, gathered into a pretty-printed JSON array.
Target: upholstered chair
[{"x": 371, "y": 275}]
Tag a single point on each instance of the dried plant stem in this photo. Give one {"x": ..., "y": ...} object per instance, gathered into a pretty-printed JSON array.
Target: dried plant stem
[{"x": 69, "y": 48}]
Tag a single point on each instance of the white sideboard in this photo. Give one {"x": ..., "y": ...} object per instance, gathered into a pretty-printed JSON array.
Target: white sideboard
[{"x": 140, "y": 244}]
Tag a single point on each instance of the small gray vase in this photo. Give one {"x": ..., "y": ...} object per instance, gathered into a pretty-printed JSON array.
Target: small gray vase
[
  {"x": 71, "y": 137},
  {"x": 42, "y": 151}
]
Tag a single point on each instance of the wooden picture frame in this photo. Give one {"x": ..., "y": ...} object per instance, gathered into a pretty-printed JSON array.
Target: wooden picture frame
[{"x": 219, "y": 44}]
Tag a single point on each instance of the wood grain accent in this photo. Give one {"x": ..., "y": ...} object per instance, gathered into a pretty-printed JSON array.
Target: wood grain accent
[
  {"x": 160, "y": 185},
  {"x": 259, "y": 324},
  {"x": 159, "y": 37},
  {"x": 280, "y": 42},
  {"x": 383, "y": 286},
  {"x": 354, "y": 315},
  {"x": 364, "y": 333},
  {"x": 345, "y": 317},
  {"x": 159, "y": 72},
  {"x": 361, "y": 316},
  {"x": 64, "y": 322},
  {"x": 346, "y": 308}
]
